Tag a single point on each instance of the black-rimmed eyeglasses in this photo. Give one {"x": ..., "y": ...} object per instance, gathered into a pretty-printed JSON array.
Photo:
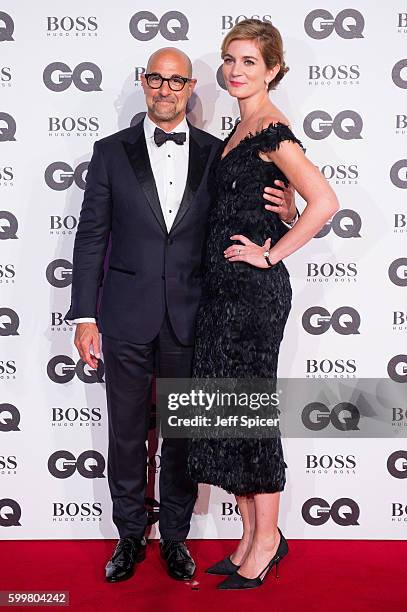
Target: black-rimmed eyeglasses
[{"x": 175, "y": 82}]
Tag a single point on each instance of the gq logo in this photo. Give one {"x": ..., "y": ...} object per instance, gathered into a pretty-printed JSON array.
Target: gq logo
[
  {"x": 349, "y": 229},
  {"x": 64, "y": 277},
  {"x": 6, "y": 27},
  {"x": 7, "y": 128},
  {"x": 398, "y": 272},
  {"x": 61, "y": 369},
  {"x": 396, "y": 74},
  {"x": 324, "y": 320},
  {"x": 90, "y": 464},
  {"x": 8, "y": 225},
  {"x": 172, "y": 26},
  {"x": 86, "y": 76},
  {"x": 344, "y": 416},
  {"x": 397, "y": 368},
  {"x": 9, "y": 322},
  {"x": 9, "y": 418},
  {"x": 325, "y": 125},
  {"x": 10, "y": 513},
  {"x": 343, "y": 512},
  {"x": 67, "y": 176},
  {"x": 397, "y": 464},
  {"x": 320, "y": 24},
  {"x": 395, "y": 174}
]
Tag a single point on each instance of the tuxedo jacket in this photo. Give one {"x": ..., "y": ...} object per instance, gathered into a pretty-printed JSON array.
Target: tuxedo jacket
[{"x": 149, "y": 270}]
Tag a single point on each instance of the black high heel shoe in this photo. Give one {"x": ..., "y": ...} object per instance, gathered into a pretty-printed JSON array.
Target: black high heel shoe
[
  {"x": 223, "y": 568},
  {"x": 237, "y": 581}
]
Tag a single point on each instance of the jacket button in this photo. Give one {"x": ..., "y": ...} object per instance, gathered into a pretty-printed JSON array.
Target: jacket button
[
  {"x": 169, "y": 241},
  {"x": 162, "y": 276}
]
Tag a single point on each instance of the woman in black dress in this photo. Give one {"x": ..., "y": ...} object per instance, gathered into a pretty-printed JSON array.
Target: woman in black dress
[{"x": 247, "y": 291}]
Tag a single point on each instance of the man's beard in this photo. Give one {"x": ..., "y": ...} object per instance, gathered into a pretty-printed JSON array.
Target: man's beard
[{"x": 164, "y": 113}]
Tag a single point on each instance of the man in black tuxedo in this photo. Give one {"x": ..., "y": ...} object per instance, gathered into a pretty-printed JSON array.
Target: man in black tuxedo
[{"x": 146, "y": 190}]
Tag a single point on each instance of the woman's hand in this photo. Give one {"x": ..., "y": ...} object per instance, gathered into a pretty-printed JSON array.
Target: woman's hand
[
  {"x": 248, "y": 251},
  {"x": 283, "y": 201}
]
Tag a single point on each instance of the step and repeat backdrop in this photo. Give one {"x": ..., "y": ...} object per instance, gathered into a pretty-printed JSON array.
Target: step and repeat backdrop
[{"x": 69, "y": 75}]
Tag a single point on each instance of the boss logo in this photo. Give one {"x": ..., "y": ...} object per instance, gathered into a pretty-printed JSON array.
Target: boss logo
[
  {"x": 348, "y": 24},
  {"x": 399, "y": 318},
  {"x": 69, "y": 24},
  {"x": 344, "y": 320},
  {"x": 8, "y": 226},
  {"x": 340, "y": 272},
  {"x": 328, "y": 73},
  {"x": 346, "y": 223},
  {"x": 5, "y": 75},
  {"x": 66, "y": 125},
  {"x": 326, "y": 462},
  {"x": 74, "y": 415},
  {"x": 347, "y": 125},
  {"x": 90, "y": 464},
  {"x": 228, "y": 21},
  {"x": 72, "y": 510},
  {"x": 66, "y": 177},
  {"x": 399, "y": 74},
  {"x": 61, "y": 369},
  {"x": 395, "y": 177},
  {"x": 317, "y": 511},
  {"x": 6, "y": 27},
  {"x": 8, "y": 464},
  {"x": 8, "y": 368},
  {"x": 341, "y": 174},
  {"x": 6, "y": 174},
  {"x": 401, "y": 123},
  {"x": 10, "y": 513},
  {"x": 328, "y": 366},
  {"x": 7, "y": 273},
  {"x": 86, "y": 76},
  {"x": 8, "y": 128},
  {"x": 397, "y": 368},
  {"x": 344, "y": 416},
  {"x": 230, "y": 512},
  {"x": 397, "y": 464},
  {"x": 62, "y": 225},
  {"x": 173, "y": 26},
  {"x": 57, "y": 320}
]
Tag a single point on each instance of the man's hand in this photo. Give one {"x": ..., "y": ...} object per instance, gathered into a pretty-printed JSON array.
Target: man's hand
[
  {"x": 87, "y": 336},
  {"x": 283, "y": 201}
]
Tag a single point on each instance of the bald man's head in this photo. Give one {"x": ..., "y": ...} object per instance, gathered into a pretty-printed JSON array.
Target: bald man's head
[
  {"x": 167, "y": 107},
  {"x": 171, "y": 54}
]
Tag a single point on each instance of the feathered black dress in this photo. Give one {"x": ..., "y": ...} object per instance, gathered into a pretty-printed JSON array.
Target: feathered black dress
[{"x": 243, "y": 311}]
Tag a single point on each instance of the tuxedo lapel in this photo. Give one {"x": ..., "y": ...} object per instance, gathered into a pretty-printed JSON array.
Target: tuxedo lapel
[
  {"x": 198, "y": 158},
  {"x": 140, "y": 162}
]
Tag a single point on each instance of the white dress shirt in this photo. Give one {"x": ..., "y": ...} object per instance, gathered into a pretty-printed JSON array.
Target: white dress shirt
[{"x": 169, "y": 164}]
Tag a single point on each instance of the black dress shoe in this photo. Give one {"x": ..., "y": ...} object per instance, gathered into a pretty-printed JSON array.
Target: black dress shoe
[
  {"x": 223, "y": 568},
  {"x": 128, "y": 552},
  {"x": 180, "y": 564}
]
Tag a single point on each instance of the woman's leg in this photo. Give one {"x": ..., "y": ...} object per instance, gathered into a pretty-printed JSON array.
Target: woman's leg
[
  {"x": 247, "y": 512},
  {"x": 265, "y": 538}
]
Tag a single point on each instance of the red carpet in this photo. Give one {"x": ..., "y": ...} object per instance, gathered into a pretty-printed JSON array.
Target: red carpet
[{"x": 316, "y": 576}]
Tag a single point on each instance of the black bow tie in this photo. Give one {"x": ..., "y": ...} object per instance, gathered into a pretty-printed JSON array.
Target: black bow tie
[{"x": 160, "y": 137}]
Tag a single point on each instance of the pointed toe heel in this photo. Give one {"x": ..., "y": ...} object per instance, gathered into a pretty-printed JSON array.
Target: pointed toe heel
[{"x": 223, "y": 568}]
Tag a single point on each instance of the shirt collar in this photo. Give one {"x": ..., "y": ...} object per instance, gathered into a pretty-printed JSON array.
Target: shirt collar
[{"x": 149, "y": 127}]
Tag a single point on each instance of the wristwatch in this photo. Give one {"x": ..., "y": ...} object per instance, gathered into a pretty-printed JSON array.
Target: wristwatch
[
  {"x": 294, "y": 220},
  {"x": 266, "y": 255}
]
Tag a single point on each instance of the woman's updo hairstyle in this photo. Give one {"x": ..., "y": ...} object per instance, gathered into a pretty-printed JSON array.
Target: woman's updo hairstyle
[{"x": 269, "y": 42}]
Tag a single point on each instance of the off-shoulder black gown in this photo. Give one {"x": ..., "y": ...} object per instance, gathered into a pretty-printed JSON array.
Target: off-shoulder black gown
[{"x": 243, "y": 312}]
